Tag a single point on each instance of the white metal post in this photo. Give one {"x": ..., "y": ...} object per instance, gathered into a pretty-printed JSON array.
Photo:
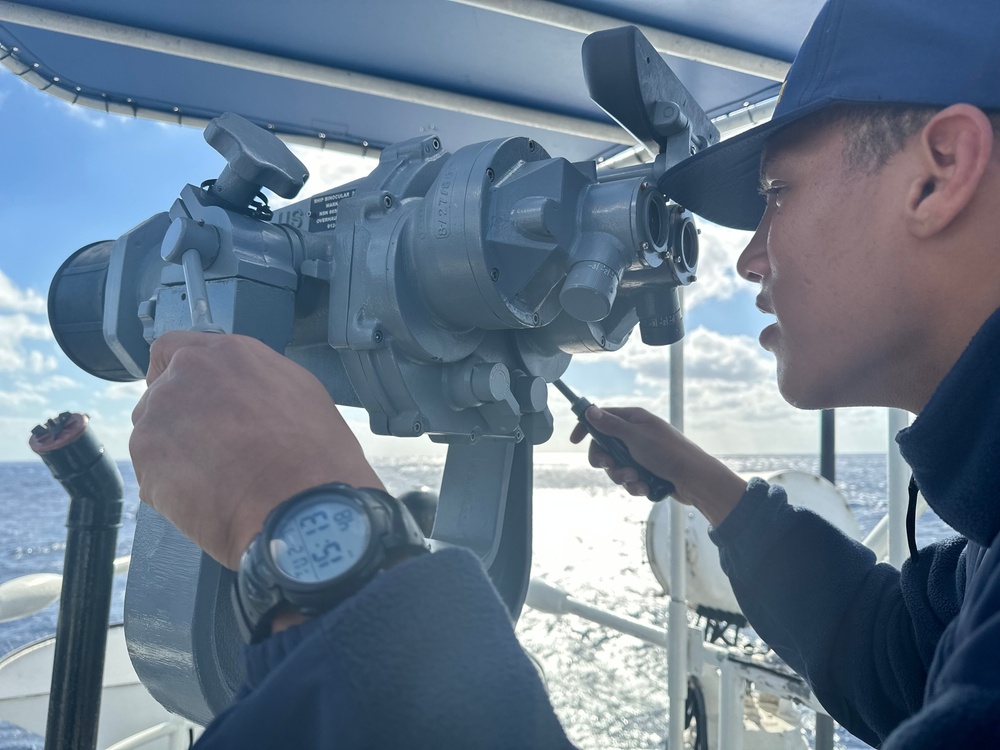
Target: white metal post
[
  {"x": 677, "y": 672},
  {"x": 731, "y": 689}
]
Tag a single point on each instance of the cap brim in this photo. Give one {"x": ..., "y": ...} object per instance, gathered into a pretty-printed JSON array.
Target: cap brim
[{"x": 722, "y": 182}]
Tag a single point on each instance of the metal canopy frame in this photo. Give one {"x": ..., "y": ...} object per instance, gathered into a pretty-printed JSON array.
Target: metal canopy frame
[{"x": 52, "y": 44}]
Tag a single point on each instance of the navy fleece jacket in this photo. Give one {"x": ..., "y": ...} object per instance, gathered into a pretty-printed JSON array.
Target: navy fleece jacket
[
  {"x": 916, "y": 651},
  {"x": 425, "y": 656}
]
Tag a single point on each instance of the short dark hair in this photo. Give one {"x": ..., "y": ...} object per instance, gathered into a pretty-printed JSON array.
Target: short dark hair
[{"x": 874, "y": 133}]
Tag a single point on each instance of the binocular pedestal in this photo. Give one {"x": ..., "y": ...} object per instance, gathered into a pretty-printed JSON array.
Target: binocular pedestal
[{"x": 179, "y": 624}]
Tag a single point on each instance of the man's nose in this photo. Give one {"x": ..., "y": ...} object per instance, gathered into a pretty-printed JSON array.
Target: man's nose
[{"x": 752, "y": 264}]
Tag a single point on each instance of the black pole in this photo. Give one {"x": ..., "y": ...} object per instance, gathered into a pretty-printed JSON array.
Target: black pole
[
  {"x": 827, "y": 470},
  {"x": 78, "y": 461},
  {"x": 828, "y": 445}
]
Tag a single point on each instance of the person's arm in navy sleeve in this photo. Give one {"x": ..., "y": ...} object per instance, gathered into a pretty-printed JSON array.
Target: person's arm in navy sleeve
[
  {"x": 423, "y": 657},
  {"x": 860, "y": 632}
]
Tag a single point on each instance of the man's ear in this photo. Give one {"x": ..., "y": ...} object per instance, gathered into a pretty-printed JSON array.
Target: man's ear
[{"x": 954, "y": 149}]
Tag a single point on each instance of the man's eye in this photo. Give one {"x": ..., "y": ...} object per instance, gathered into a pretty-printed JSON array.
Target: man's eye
[{"x": 773, "y": 194}]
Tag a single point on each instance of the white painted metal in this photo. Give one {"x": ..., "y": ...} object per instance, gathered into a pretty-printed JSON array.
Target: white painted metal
[
  {"x": 745, "y": 118},
  {"x": 677, "y": 668},
  {"x": 731, "y": 690},
  {"x": 544, "y": 597},
  {"x": 878, "y": 538},
  {"x": 898, "y": 479},
  {"x": 174, "y": 731},
  {"x": 296, "y": 70},
  {"x": 24, "y": 596},
  {"x": 126, "y": 706},
  {"x": 666, "y": 42},
  {"x": 30, "y": 594}
]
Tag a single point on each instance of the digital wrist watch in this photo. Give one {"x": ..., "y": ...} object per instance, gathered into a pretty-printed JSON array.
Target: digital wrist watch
[{"x": 316, "y": 549}]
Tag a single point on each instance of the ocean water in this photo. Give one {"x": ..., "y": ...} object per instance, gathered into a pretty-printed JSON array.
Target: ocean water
[{"x": 608, "y": 689}]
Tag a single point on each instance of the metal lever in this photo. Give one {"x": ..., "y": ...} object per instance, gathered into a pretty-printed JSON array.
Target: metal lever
[{"x": 194, "y": 245}]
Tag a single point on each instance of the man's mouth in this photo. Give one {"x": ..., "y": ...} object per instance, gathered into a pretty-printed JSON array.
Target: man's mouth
[{"x": 764, "y": 304}]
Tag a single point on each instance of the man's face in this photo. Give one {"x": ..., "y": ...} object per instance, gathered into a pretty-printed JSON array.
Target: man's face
[{"x": 824, "y": 256}]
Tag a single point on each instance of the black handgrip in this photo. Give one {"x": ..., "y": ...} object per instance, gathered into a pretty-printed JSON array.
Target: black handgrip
[{"x": 659, "y": 487}]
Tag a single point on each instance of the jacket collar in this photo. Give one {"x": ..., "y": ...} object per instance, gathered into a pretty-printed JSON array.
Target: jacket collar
[{"x": 953, "y": 446}]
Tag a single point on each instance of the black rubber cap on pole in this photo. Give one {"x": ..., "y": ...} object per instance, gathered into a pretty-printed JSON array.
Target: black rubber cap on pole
[{"x": 79, "y": 462}]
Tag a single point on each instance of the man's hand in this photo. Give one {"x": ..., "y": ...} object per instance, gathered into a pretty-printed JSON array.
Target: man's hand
[
  {"x": 227, "y": 430},
  {"x": 701, "y": 480}
]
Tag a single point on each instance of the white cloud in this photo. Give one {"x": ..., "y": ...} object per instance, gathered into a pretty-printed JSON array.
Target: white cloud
[
  {"x": 708, "y": 355},
  {"x": 19, "y": 300},
  {"x": 718, "y": 250},
  {"x": 37, "y": 363},
  {"x": 57, "y": 382},
  {"x": 14, "y": 330},
  {"x": 732, "y": 403},
  {"x": 713, "y": 356},
  {"x": 327, "y": 170},
  {"x": 131, "y": 391},
  {"x": 20, "y": 392},
  {"x": 19, "y": 396},
  {"x": 92, "y": 117}
]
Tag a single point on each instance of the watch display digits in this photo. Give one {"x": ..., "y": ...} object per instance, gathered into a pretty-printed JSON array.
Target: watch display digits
[{"x": 320, "y": 541}]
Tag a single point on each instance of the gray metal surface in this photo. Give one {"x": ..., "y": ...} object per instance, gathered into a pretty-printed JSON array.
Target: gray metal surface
[{"x": 440, "y": 293}]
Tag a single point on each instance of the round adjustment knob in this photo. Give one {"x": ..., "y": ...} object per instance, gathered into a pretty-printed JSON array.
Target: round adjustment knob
[{"x": 255, "y": 159}]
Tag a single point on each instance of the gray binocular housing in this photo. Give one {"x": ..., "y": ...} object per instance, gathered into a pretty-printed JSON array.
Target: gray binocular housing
[{"x": 441, "y": 293}]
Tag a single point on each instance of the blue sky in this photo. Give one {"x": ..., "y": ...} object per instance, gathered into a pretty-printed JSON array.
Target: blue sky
[{"x": 72, "y": 176}]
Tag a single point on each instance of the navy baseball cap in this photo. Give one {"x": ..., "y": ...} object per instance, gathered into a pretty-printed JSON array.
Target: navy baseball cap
[{"x": 916, "y": 52}]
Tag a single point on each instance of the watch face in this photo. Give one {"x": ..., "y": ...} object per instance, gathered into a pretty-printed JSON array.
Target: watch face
[{"x": 320, "y": 540}]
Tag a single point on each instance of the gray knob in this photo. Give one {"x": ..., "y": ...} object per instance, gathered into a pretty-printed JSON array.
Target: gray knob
[
  {"x": 589, "y": 291},
  {"x": 255, "y": 158},
  {"x": 490, "y": 381},
  {"x": 531, "y": 393},
  {"x": 479, "y": 383}
]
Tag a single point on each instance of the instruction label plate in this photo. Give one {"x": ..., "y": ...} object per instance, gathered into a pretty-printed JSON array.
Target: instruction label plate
[{"x": 324, "y": 209}]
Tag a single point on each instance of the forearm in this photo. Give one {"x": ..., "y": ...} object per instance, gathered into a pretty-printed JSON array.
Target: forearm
[
  {"x": 821, "y": 601},
  {"x": 715, "y": 490}
]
